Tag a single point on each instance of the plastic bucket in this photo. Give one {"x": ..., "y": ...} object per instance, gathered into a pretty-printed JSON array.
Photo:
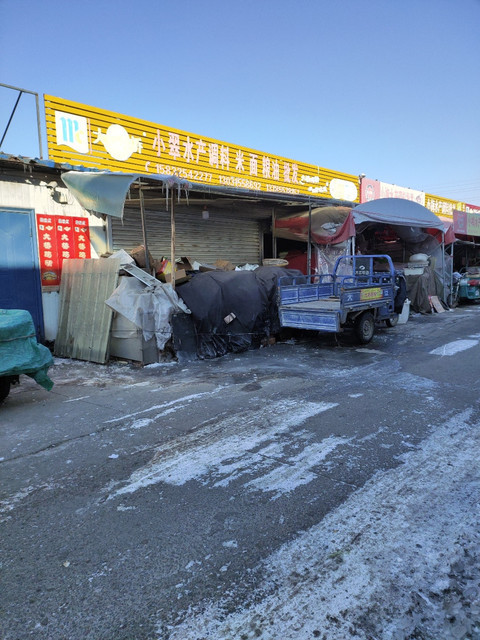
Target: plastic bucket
[{"x": 403, "y": 317}]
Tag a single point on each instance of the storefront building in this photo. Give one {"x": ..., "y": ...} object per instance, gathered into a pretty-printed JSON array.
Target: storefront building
[
  {"x": 41, "y": 224},
  {"x": 232, "y": 197},
  {"x": 234, "y": 228}
]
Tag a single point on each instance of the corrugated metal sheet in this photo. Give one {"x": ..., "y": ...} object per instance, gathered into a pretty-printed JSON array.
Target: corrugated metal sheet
[
  {"x": 85, "y": 320},
  {"x": 222, "y": 236}
]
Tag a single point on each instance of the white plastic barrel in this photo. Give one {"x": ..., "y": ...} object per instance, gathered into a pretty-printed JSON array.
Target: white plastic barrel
[{"x": 403, "y": 317}]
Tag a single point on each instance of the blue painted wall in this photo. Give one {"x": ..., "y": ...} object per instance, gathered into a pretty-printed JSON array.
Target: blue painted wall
[{"x": 20, "y": 284}]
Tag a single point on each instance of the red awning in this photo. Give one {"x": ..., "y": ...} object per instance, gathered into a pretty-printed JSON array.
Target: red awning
[{"x": 329, "y": 225}]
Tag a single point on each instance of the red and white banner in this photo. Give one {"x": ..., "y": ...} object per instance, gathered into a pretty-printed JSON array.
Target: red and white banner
[
  {"x": 374, "y": 189},
  {"x": 60, "y": 238}
]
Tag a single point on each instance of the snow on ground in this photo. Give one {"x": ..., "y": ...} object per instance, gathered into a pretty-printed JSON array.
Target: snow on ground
[
  {"x": 398, "y": 560},
  {"x": 165, "y": 408},
  {"x": 67, "y": 371},
  {"x": 211, "y": 449},
  {"x": 8, "y": 504},
  {"x": 452, "y": 348}
]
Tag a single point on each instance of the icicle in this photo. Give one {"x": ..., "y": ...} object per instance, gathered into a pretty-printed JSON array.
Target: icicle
[
  {"x": 186, "y": 186},
  {"x": 168, "y": 182}
]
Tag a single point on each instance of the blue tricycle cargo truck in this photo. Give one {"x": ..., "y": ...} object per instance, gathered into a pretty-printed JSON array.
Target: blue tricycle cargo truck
[{"x": 358, "y": 293}]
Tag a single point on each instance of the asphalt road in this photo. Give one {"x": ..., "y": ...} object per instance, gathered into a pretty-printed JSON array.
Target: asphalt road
[{"x": 132, "y": 496}]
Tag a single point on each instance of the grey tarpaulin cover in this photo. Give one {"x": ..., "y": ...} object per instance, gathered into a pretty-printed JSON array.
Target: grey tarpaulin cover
[
  {"x": 105, "y": 191},
  {"x": 421, "y": 287},
  {"x": 101, "y": 192},
  {"x": 149, "y": 308},
  {"x": 412, "y": 221},
  {"x": 397, "y": 211}
]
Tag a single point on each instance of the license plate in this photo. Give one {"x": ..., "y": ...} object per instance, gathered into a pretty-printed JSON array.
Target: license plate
[{"x": 371, "y": 294}]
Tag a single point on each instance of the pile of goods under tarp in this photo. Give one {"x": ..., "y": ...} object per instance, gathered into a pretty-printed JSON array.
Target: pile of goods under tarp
[
  {"x": 20, "y": 352},
  {"x": 233, "y": 311}
]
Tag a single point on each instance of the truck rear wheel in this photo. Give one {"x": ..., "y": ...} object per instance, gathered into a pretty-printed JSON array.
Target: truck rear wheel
[
  {"x": 4, "y": 388},
  {"x": 365, "y": 327},
  {"x": 392, "y": 321}
]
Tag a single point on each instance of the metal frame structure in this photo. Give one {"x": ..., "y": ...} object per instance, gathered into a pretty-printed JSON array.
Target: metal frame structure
[{"x": 39, "y": 126}]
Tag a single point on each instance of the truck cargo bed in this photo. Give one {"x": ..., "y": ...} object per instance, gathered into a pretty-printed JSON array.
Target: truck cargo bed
[
  {"x": 324, "y": 304},
  {"x": 329, "y": 302}
]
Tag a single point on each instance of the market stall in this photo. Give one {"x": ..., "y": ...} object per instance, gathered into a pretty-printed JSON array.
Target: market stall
[
  {"x": 328, "y": 232},
  {"x": 396, "y": 227},
  {"x": 415, "y": 239},
  {"x": 466, "y": 227}
]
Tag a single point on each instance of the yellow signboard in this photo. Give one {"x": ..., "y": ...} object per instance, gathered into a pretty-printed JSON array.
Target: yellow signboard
[
  {"x": 373, "y": 293},
  {"x": 91, "y": 137},
  {"x": 443, "y": 207}
]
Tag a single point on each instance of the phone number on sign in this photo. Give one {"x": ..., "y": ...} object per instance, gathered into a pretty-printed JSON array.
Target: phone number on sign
[{"x": 168, "y": 170}]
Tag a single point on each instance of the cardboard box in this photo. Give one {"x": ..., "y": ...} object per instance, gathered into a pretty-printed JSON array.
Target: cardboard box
[
  {"x": 138, "y": 254},
  {"x": 180, "y": 276},
  {"x": 224, "y": 265},
  {"x": 165, "y": 266},
  {"x": 186, "y": 263},
  {"x": 207, "y": 267}
]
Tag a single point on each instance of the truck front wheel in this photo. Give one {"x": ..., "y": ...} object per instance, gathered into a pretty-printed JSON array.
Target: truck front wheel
[{"x": 365, "y": 327}]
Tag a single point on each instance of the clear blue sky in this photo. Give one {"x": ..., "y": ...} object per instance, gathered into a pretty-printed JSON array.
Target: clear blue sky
[{"x": 389, "y": 88}]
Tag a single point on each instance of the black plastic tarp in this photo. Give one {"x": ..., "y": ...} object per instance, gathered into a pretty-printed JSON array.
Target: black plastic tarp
[{"x": 233, "y": 310}]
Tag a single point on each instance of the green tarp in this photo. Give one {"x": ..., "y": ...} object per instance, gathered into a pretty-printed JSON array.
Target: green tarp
[{"x": 20, "y": 352}]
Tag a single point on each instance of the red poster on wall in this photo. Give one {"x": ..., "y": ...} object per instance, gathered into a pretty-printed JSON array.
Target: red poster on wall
[
  {"x": 64, "y": 234},
  {"x": 81, "y": 238},
  {"x": 60, "y": 238},
  {"x": 47, "y": 249}
]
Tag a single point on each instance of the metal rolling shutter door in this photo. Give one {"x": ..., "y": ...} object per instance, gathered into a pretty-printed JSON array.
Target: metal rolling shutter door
[{"x": 220, "y": 237}]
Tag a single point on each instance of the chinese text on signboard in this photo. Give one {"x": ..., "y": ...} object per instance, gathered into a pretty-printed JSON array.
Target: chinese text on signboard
[
  {"x": 91, "y": 137},
  {"x": 467, "y": 223},
  {"x": 371, "y": 294},
  {"x": 60, "y": 238}
]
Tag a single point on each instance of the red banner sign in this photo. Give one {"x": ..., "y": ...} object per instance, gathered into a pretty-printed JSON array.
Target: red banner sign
[{"x": 60, "y": 238}]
